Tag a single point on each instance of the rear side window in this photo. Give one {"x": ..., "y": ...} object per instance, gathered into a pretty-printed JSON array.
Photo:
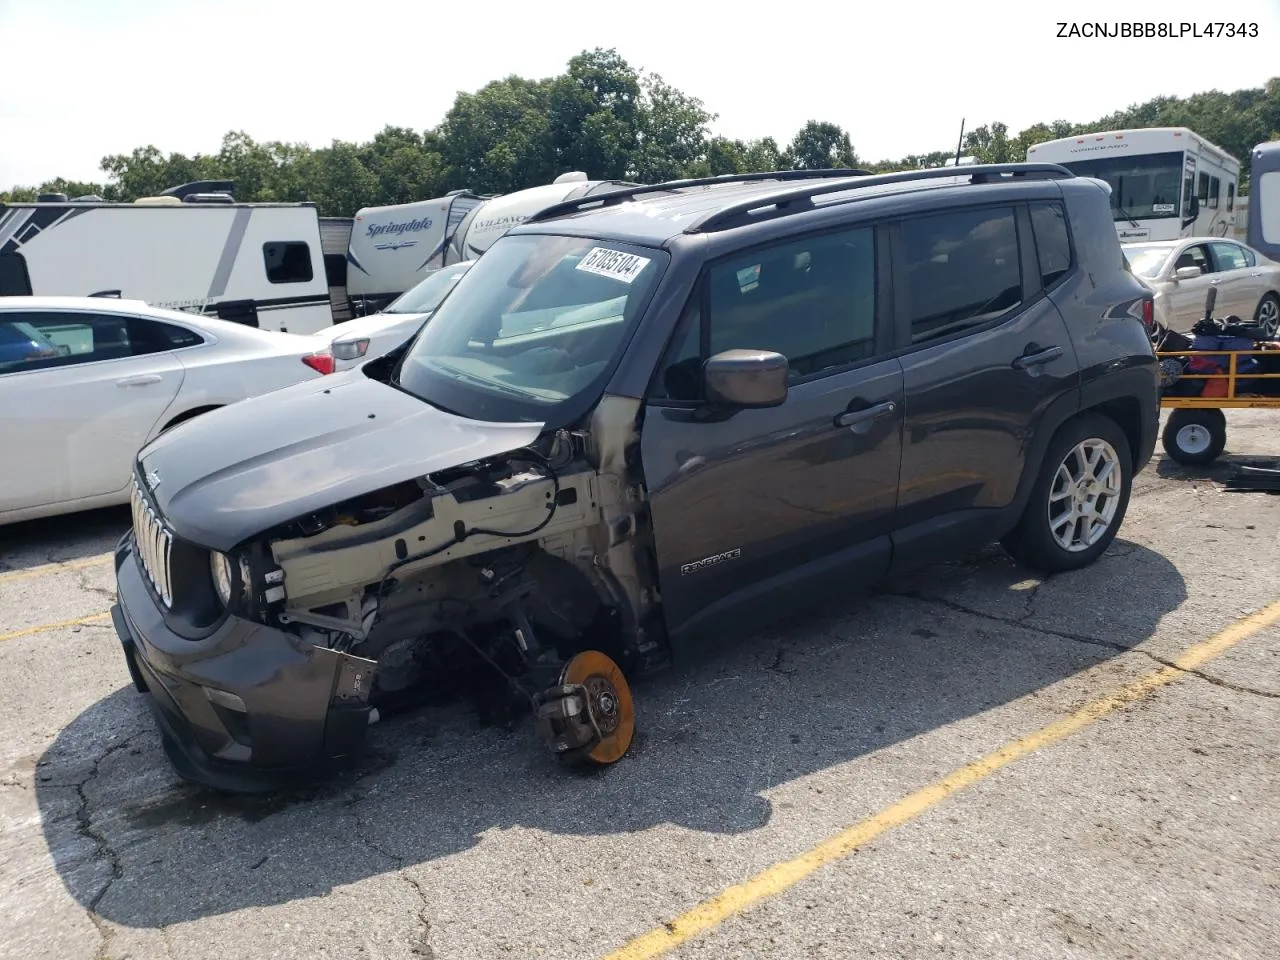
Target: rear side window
[
  {"x": 1228, "y": 256},
  {"x": 287, "y": 261},
  {"x": 962, "y": 270},
  {"x": 14, "y": 281},
  {"x": 37, "y": 340},
  {"x": 1053, "y": 244}
]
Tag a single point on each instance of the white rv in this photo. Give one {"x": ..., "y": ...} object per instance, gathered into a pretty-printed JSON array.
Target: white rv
[
  {"x": 1166, "y": 182},
  {"x": 394, "y": 248},
  {"x": 1263, "y": 230},
  {"x": 192, "y": 248}
]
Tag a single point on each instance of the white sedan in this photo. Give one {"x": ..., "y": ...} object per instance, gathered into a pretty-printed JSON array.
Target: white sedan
[
  {"x": 1181, "y": 273},
  {"x": 366, "y": 338},
  {"x": 86, "y": 382}
]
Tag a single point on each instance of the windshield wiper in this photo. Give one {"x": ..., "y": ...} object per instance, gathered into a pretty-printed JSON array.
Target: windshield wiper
[{"x": 1127, "y": 215}]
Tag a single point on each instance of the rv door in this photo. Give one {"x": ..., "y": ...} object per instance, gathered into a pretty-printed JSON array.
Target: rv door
[{"x": 1263, "y": 232}]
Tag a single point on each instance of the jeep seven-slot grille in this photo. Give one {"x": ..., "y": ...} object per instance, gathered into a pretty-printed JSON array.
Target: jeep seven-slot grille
[{"x": 155, "y": 544}]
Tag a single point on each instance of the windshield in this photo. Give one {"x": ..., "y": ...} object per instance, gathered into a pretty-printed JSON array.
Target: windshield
[
  {"x": 1144, "y": 187},
  {"x": 426, "y": 295},
  {"x": 533, "y": 327},
  {"x": 1146, "y": 261}
]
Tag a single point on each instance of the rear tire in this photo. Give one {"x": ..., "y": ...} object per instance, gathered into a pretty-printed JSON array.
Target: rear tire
[
  {"x": 1079, "y": 499},
  {"x": 1195, "y": 436},
  {"x": 1267, "y": 316}
]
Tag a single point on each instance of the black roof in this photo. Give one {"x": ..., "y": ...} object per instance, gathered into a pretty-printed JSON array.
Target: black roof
[{"x": 653, "y": 215}]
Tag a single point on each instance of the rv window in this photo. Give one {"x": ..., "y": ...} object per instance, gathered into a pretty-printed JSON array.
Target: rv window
[
  {"x": 1203, "y": 191},
  {"x": 14, "y": 281},
  {"x": 1231, "y": 196},
  {"x": 1215, "y": 187},
  {"x": 287, "y": 261}
]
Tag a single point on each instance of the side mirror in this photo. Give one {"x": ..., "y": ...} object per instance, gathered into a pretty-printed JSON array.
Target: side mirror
[
  {"x": 746, "y": 379},
  {"x": 1187, "y": 273}
]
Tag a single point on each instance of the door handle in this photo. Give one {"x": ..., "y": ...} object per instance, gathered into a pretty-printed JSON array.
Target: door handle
[
  {"x": 860, "y": 420},
  {"x": 1215, "y": 280},
  {"x": 139, "y": 381},
  {"x": 1038, "y": 359}
]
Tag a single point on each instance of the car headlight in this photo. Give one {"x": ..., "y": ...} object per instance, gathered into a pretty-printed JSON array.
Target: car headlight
[
  {"x": 223, "y": 579},
  {"x": 350, "y": 349}
]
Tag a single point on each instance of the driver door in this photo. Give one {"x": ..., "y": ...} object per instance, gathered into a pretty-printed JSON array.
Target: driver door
[
  {"x": 1186, "y": 298},
  {"x": 755, "y": 508}
]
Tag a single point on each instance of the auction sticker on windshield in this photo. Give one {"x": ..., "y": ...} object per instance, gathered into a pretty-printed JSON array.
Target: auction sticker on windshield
[{"x": 613, "y": 263}]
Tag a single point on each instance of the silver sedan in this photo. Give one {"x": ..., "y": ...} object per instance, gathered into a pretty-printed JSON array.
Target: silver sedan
[{"x": 1181, "y": 273}]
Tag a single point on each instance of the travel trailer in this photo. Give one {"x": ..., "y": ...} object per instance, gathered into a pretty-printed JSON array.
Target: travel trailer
[
  {"x": 191, "y": 248},
  {"x": 393, "y": 248},
  {"x": 1166, "y": 182},
  {"x": 1263, "y": 232}
]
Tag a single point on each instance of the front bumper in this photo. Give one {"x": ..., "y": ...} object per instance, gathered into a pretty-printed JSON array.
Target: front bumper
[{"x": 247, "y": 709}]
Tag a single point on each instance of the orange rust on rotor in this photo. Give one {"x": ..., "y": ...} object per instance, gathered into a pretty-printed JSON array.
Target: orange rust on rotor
[{"x": 591, "y": 664}]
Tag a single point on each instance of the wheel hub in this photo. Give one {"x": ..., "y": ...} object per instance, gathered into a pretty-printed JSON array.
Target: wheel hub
[{"x": 1084, "y": 496}]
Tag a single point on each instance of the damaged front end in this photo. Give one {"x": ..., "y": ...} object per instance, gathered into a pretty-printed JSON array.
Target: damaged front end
[{"x": 523, "y": 579}]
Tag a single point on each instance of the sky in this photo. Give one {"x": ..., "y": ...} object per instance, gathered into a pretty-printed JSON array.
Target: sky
[{"x": 88, "y": 78}]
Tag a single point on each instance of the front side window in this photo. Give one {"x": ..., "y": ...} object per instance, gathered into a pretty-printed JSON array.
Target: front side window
[
  {"x": 532, "y": 329},
  {"x": 1196, "y": 256},
  {"x": 811, "y": 300},
  {"x": 287, "y": 261},
  {"x": 962, "y": 270}
]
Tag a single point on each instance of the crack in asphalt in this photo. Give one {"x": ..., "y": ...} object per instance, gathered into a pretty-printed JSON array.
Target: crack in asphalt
[
  {"x": 102, "y": 846},
  {"x": 423, "y": 947},
  {"x": 1021, "y": 623}
]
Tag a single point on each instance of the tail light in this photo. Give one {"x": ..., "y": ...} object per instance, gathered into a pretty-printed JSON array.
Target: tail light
[
  {"x": 1149, "y": 313},
  {"x": 321, "y": 361}
]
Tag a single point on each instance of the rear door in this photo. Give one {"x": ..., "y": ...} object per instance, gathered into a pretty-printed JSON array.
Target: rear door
[
  {"x": 762, "y": 506},
  {"x": 1240, "y": 285},
  {"x": 71, "y": 423},
  {"x": 986, "y": 353}
]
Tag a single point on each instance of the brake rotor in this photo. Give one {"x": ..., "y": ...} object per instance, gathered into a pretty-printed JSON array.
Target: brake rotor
[{"x": 609, "y": 703}]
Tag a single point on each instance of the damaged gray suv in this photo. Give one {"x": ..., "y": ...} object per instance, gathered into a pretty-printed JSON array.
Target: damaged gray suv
[{"x": 642, "y": 418}]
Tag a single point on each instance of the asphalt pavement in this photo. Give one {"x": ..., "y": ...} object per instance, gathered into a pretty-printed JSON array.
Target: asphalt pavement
[{"x": 967, "y": 762}]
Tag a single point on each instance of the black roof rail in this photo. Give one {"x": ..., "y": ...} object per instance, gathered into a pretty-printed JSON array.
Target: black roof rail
[
  {"x": 976, "y": 174},
  {"x": 611, "y": 197}
]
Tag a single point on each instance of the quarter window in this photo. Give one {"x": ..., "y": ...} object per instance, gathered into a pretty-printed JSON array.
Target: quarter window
[
  {"x": 287, "y": 261},
  {"x": 1053, "y": 244},
  {"x": 962, "y": 271}
]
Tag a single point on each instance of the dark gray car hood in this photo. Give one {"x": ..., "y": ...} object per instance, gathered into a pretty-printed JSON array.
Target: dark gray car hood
[{"x": 234, "y": 472}]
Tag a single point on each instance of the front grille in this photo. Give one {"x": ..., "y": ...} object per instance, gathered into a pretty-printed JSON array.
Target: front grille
[{"x": 155, "y": 545}]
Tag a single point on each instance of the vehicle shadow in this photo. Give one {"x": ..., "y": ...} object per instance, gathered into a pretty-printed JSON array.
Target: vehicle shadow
[
  {"x": 74, "y": 536},
  {"x": 1219, "y": 471},
  {"x": 715, "y": 733}
]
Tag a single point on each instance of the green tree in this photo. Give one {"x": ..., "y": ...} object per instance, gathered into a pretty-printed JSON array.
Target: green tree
[
  {"x": 498, "y": 139},
  {"x": 820, "y": 146},
  {"x": 594, "y": 115},
  {"x": 673, "y": 132}
]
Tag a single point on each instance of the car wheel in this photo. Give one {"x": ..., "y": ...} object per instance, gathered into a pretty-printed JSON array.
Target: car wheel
[
  {"x": 1079, "y": 498},
  {"x": 1267, "y": 316},
  {"x": 1195, "y": 436}
]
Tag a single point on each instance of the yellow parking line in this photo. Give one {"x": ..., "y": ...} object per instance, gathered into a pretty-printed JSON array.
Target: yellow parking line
[
  {"x": 78, "y": 621},
  {"x": 782, "y": 876},
  {"x": 46, "y": 568}
]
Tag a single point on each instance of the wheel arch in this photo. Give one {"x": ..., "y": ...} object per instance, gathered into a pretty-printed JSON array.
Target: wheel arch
[{"x": 189, "y": 415}]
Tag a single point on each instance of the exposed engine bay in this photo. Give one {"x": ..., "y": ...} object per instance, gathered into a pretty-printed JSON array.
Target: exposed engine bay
[{"x": 504, "y": 569}]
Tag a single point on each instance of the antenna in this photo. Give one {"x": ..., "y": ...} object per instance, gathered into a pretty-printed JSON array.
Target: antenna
[{"x": 960, "y": 145}]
